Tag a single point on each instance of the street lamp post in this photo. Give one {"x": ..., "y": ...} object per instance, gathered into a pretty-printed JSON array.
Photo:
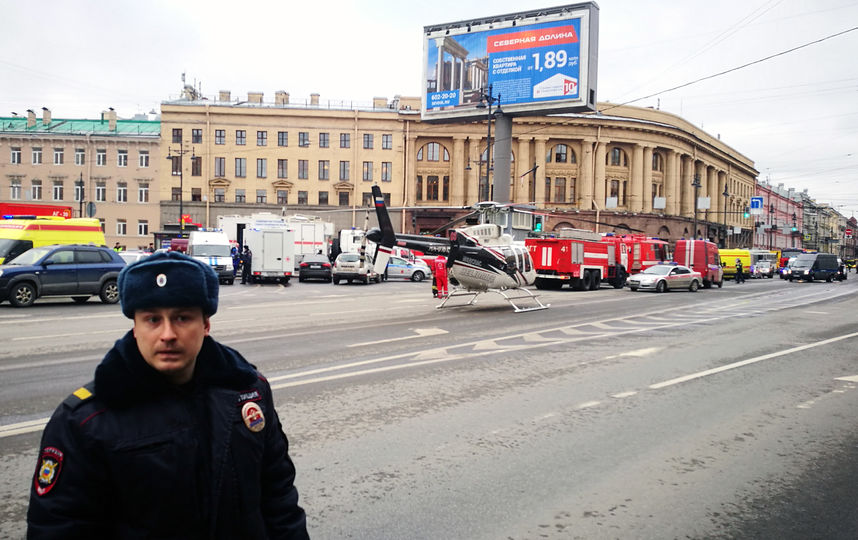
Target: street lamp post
[
  {"x": 487, "y": 100},
  {"x": 80, "y": 194},
  {"x": 696, "y": 185},
  {"x": 181, "y": 154},
  {"x": 771, "y": 224},
  {"x": 726, "y": 194}
]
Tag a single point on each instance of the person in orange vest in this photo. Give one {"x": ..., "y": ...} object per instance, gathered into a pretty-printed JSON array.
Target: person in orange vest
[{"x": 440, "y": 278}]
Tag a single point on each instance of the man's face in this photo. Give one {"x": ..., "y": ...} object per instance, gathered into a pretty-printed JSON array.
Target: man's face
[{"x": 169, "y": 339}]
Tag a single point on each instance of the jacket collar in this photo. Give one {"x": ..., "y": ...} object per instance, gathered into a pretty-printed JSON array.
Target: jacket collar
[{"x": 123, "y": 377}]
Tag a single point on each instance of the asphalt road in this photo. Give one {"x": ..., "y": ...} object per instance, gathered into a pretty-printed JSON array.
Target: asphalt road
[{"x": 724, "y": 413}]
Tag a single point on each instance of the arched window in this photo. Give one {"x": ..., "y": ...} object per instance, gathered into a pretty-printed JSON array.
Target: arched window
[
  {"x": 484, "y": 156},
  {"x": 657, "y": 162},
  {"x": 560, "y": 153},
  {"x": 617, "y": 158},
  {"x": 434, "y": 152}
]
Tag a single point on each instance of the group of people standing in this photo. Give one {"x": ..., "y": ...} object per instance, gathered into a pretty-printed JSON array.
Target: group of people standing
[{"x": 242, "y": 260}]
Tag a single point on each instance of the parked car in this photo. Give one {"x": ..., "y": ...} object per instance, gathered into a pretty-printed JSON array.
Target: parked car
[
  {"x": 69, "y": 270},
  {"x": 665, "y": 277},
  {"x": 763, "y": 269},
  {"x": 399, "y": 268},
  {"x": 811, "y": 266},
  {"x": 315, "y": 267},
  {"x": 348, "y": 266},
  {"x": 133, "y": 255}
]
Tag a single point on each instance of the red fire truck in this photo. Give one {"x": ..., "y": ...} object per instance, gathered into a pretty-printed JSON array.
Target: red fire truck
[
  {"x": 579, "y": 258},
  {"x": 701, "y": 256},
  {"x": 27, "y": 209},
  {"x": 637, "y": 252}
]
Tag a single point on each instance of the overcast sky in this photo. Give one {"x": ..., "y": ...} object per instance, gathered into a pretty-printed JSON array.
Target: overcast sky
[{"x": 795, "y": 116}]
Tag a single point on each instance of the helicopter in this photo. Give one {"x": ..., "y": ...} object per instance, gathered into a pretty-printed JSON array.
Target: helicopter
[{"x": 481, "y": 258}]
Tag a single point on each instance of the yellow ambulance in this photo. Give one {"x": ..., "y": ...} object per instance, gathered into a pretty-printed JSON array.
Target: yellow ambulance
[
  {"x": 19, "y": 235},
  {"x": 728, "y": 259}
]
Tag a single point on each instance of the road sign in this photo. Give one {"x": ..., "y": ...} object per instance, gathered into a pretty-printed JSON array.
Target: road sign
[
  {"x": 756, "y": 205},
  {"x": 848, "y": 233}
]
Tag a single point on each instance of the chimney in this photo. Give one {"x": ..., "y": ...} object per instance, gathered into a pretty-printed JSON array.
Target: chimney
[
  {"x": 31, "y": 118},
  {"x": 379, "y": 103},
  {"x": 223, "y": 95},
  {"x": 46, "y": 116},
  {"x": 281, "y": 97},
  {"x": 254, "y": 97},
  {"x": 314, "y": 99},
  {"x": 111, "y": 119}
]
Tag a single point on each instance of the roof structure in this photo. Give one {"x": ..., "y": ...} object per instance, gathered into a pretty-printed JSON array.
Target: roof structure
[{"x": 60, "y": 126}]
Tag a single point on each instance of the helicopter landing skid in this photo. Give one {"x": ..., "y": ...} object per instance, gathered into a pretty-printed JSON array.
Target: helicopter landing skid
[{"x": 525, "y": 295}]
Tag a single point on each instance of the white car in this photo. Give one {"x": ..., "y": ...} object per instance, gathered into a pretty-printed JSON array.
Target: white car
[
  {"x": 348, "y": 267},
  {"x": 133, "y": 255},
  {"x": 399, "y": 268},
  {"x": 664, "y": 277}
]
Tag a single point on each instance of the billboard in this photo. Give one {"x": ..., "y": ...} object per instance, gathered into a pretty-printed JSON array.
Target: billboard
[{"x": 535, "y": 62}]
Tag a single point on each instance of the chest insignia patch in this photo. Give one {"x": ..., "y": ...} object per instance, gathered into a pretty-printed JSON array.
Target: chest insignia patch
[
  {"x": 50, "y": 465},
  {"x": 252, "y": 415}
]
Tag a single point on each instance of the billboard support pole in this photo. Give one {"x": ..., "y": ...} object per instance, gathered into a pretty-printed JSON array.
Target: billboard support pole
[{"x": 503, "y": 149}]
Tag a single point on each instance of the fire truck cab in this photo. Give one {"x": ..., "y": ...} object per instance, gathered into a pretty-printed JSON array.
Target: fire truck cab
[
  {"x": 575, "y": 257},
  {"x": 701, "y": 256}
]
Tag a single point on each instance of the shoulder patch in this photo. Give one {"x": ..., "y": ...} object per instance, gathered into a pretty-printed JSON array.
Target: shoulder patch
[{"x": 81, "y": 395}]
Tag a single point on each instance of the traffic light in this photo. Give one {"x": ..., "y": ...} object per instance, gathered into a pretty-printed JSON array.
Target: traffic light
[
  {"x": 747, "y": 213},
  {"x": 537, "y": 223}
]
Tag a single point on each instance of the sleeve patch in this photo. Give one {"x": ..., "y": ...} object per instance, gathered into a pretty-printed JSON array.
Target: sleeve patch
[{"x": 50, "y": 465}]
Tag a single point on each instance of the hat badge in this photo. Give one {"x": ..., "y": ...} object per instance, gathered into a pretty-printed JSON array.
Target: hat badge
[{"x": 161, "y": 280}]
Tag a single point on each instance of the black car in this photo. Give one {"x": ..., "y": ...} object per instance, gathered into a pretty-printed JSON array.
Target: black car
[
  {"x": 811, "y": 266},
  {"x": 69, "y": 270},
  {"x": 315, "y": 267}
]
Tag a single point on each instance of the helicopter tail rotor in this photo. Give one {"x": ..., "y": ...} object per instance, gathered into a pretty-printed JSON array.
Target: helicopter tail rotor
[{"x": 384, "y": 236}]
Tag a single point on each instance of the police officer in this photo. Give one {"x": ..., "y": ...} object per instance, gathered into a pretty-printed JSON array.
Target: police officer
[
  {"x": 177, "y": 436},
  {"x": 740, "y": 275},
  {"x": 246, "y": 261}
]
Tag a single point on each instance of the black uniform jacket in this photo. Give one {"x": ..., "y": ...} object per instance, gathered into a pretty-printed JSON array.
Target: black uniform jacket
[{"x": 132, "y": 456}]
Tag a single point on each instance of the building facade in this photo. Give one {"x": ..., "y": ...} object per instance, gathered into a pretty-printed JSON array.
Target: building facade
[
  {"x": 630, "y": 170},
  {"x": 105, "y": 168},
  {"x": 781, "y": 223}
]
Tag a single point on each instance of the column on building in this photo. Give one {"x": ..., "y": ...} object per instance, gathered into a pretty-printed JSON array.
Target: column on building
[
  {"x": 636, "y": 198},
  {"x": 457, "y": 187},
  {"x": 647, "y": 179},
  {"x": 722, "y": 203},
  {"x": 712, "y": 183},
  {"x": 685, "y": 187},
  {"x": 599, "y": 176},
  {"x": 523, "y": 163},
  {"x": 584, "y": 183},
  {"x": 472, "y": 187},
  {"x": 409, "y": 197},
  {"x": 539, "y": 151},
  {"x": 700, "y": 173},
  {"x": 671, "y": 184}
]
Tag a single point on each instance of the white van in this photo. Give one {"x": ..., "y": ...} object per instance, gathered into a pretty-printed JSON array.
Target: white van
[
  {"x": 213, "y": 248},
  {"x": 273, "y": 254}
]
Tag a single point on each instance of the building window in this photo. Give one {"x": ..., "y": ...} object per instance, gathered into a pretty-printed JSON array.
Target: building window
[
  {"x": 37, "y": 156},
  {"x": 386, "y": 171},
  {"x": 282, "y": 196},
  {"x": 419, "y": 188},
  {"x": 36, "y": 190},
  {"x": 219, "y": 195},
  {"x": 657, "y": 162},
  {"x": 239, "y": 196},
  {"x": 367, "y": 141},
  {"x": 58, "y": 191},
  {"x": 177, "y": 135},
  {"x": 122, "y": 225},
  {"x": 220, "y": 167},
  {"x": 431, "y": 188},
  {"x": 303, "y": 169},
  {"x": 175, "y": 165},
  {"x": 343, "y": 198},
  {"x": 282, "y": 168},
  {"x": 432, "y": 151},
  {"x": 324, "y": 140},
  {"x": 122, "y": 158},
  {"x": 240, "y": 167},
  {"x": 101, "y": 157},
  {"x": 261, "y": 138},
  {"x": 143, "y": 159},
  {"x": 102, "y": 224},
  {"x": 367, "y": 171},
  {"x": 261, "y": 196},
  {"x": 143, "y": 193},
  {"x": 80, "y": 157},
  {"x": 324, "y": 169},
  {"x": 282, "y": 138},
  {"x": 196, "y": 166},
  {"x": 572, "y": 198},
  {"x": 302, "y": 197},
  {"x": 618, "y": 158},
  {"x": 345, "y": 140},
  {"x": 366, "y": 198},
  {"x": 323, "y": 198},
  {"x": 142, "y": 227},
  {"x": 197, "y": 136},
  {"x": 387, "y": 141},
  {"x": 261, "y": 167},
  {"x": 196, "y": 194},
  {"x": 100, "y": 192},
  {"x": 78, "y": 192},
  {"x": 615, "y": 188},
  {"x": 15, "y": 190},
  {"x": 560, "y": 190},
  {"x": 240, "y": 137},
  {"x": 121, "y": 192},
  {"x": 344, "y": 170},
  {"x": 445, "y": 189},
  {"x": 15, "y": 157},
  {"x": 303, "y": 139},
  {"x": 220, "y": 136},
  {"x": 59, "y": 154}
]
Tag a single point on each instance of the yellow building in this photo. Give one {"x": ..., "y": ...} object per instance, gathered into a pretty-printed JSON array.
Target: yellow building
[
  {"x": 624, "y": 169},
  {"x": 110, "y": 165}
]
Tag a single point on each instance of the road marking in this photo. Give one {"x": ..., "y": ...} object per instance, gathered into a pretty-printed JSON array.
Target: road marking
[
  {"x": 588, "y": 404},
  {"x": 817, "y": 312},
  {"x": 47, "y": 363},
  {"x": 749, "y": 361},
  {"x": 23, "y": 427},
  {"x": 851, "y": 378},
  {"x": 638, "y": 353},
  {"x": 420, "y": 332},
  {"x": 622, "y": 395},
  {"x": 71, "y": 334}
]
